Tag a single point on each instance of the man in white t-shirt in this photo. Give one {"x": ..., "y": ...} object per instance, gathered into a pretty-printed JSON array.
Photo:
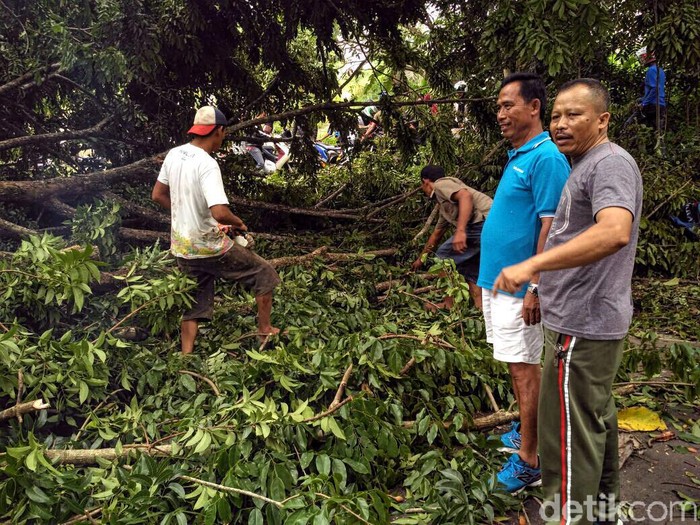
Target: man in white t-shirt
[{"x": 191, "y": 187}]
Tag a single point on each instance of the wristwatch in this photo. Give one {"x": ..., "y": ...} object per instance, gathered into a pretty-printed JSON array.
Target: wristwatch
[{"x": 533, "y": 289}]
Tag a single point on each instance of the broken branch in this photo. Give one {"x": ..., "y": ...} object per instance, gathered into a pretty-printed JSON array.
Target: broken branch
[
  {"x": 329, "y": 411},
  {"x": 478, "y": 423},
  {"x": 90, "y": 456},
  {"x": 428, "y": 223},
  {"x": 341, "y": 387},
  {"x": 23, "y": 408}
]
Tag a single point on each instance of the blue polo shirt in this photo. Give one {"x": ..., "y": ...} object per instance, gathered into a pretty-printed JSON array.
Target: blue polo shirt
[{"x": 530, "y": 188}]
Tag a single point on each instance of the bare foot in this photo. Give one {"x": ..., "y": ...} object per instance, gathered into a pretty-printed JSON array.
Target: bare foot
[
  {"x": 268, "y": 331},
  {"x": 265, "y": 335}
]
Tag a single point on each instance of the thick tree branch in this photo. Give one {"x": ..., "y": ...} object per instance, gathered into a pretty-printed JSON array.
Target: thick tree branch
[
  {"x": 386, "y": 285},
  {"x": 28, "y": 193},
  {"x": 28, "y": 140},
  {"x": 338, "y": 106},
  {"x": 478, "y": 423},
  {"x": 23, "y": 408},
  {"x": 90, "y": 456},
  {"x": 152, "y": 216},
  {"x": 323, "y": 253},
  {"x": 14, "y": 231},
  {"x": 341, "y": 387},
  {"x": 19, "y": 81},
  {"x": 428, "y": 223},
  {"x": 397, "y": 200}
]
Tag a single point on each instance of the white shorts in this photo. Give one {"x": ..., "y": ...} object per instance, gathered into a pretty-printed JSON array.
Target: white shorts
[{"x": 513, "y": 341}]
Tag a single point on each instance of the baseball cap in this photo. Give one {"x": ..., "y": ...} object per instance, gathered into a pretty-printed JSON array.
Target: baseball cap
[{"x": 206, "y": 119}]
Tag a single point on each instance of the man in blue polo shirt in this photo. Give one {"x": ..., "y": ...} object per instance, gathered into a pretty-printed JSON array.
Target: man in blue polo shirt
[{"x": 515, "y": 229}]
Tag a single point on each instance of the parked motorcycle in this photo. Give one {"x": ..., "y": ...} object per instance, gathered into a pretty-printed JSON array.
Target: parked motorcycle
[{"x": 268, "y": 156}]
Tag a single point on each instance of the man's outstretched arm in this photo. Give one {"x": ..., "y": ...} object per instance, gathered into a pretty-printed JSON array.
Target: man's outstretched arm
[{"x": 611, "y": 232}]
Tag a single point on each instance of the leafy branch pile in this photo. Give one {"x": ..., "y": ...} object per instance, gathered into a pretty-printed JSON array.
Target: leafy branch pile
[{"x": 364, "y": 413}]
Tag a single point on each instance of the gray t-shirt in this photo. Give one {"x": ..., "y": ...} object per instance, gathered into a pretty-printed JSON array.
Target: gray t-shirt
[
  {"x": 443, "y": 190},
  {"x": 593, "y": 301}
]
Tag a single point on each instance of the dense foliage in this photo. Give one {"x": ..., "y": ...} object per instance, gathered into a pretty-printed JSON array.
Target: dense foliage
[
  {"x": 246, "y": 433},
  {"x": 257, "y": 424}
]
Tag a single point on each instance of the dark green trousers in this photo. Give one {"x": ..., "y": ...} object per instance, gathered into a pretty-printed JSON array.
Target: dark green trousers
[{"x": 577, "y": 429}]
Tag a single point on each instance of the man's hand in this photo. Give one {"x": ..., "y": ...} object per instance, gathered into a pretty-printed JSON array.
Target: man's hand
[
  {"x": 531, "y": 309},
  {"x": 459, "y": 241},
  {"x": 513, "y": 277},
  {"x": 417, "y": 264}
]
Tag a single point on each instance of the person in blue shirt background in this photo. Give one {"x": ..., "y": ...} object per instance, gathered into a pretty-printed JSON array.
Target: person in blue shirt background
[{"x": 654, "y": 91}]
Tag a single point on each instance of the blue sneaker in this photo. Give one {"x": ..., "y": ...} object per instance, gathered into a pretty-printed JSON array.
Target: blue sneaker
[
  {"x": 511, "y": 439},
  {"x": 517, "y": 475}
]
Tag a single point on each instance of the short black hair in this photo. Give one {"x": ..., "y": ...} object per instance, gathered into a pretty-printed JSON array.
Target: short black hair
[
  {"x": 432, "y": 172},
  {"x": 596, "y": 87},
  {"x": 531, "y": 87}
]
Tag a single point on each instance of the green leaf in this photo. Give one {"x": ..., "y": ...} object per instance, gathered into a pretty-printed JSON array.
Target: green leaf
[
  {"x": 358, "y": 467},
  {"x": 84, "y": 392},
  {"x": 177, "y": 489},
  {"x": 323, "y": 464},
  {"x": 31, "y": 460},
  {"x": 321, "y": 519},
  {"x": 256, "y": 517},
  {"x": 78, "y": 297},
  {"x": 337, "y": 431},
  {"x": 37, "y": 495},
  {"x": 188, "y": 382},
  {"x": 223, "y": 508},
  {"x": 203, "y": 443},
  {"x": 18, "y": 452}
]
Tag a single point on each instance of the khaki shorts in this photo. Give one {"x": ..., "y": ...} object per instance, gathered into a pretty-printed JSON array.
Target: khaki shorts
[
  {"x": 513, "y": 341},
  {"x": 238, "y": 264}
]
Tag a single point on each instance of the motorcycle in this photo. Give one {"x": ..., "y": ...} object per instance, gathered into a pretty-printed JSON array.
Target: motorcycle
[
  {"x": 330, "y": 154},
  {"x": 268, "y": 156}
]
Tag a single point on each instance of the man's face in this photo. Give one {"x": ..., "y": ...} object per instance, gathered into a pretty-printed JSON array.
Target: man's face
[
  {"x": 578, "y": 124},
  {"x": 427, "y": 187},
  {"x": 219, "y": 135},
  {"x": 517, "y": 119}
]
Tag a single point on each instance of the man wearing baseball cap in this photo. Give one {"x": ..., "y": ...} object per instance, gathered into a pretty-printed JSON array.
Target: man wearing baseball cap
[{"x": 191, "y": 187}]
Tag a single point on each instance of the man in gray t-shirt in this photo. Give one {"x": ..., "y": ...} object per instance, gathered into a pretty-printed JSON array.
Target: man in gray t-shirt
[
  {"x": 465, "y": 209},
  {"x": 586, "y": 301}
]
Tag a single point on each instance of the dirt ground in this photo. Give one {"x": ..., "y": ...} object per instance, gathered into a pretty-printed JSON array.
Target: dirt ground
[{"x": 651, "y": 479}]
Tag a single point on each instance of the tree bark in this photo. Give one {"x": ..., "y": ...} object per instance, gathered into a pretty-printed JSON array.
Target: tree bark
[
  {"x": 23, "y": 408},
  {"x": 323, "y": 253},
  {"x": 14, "y": 231},
  {"x": 53, "y": 68},
  {"x": 478, "y": 423},
  {"x": 29, "y": 193},
  {"x": 28, "y": 140},
  {"x": 90, "y": 456}
]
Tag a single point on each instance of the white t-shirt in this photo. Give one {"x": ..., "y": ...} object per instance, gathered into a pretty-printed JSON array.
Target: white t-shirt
[{"x": 195, "y": 183}]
